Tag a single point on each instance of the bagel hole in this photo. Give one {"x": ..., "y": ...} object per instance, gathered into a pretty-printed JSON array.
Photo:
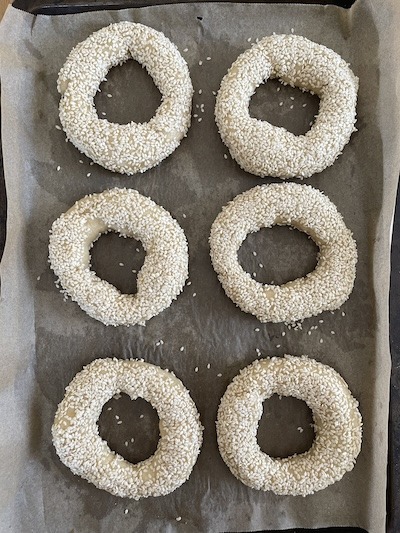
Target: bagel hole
[
  {"x": 265, "y": 105},
  {"x": 286, "y": 427},
  {"x": 134, "y": 95},
  {"x": 285, "y": 254},
  {"x": 118, "y": 260},
  {"x": 139, "y": 421}
]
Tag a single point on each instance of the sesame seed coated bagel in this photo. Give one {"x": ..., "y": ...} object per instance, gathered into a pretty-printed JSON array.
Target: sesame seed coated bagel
[
  {"x": 266, "y": 150},
  {"x": 337, "y": 426},
  {"x": 134, "y": 147},
  {"x": 125, "y": 211},
  {"x": 80, "y": 447},
  {"x": 307, "y": 209}
]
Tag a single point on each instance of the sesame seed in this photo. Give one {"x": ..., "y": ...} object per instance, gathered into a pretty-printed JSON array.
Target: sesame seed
[
  {"x": 199, "y": 119},
  {"x": 88, "y": 174},
  {"x": 219, "y": 375},
  {"x": 194, "y": 294},
  {"x": 208, "y": 365},
  {"x": 58, "y": 127},
  {"x": 58, "y": 168},
  {"x": 200, "y": 63},
  {"x": 121, "y": 264},
  {"x": 126, "y": 511},
  {"x": 257, "y": 329},
  {"x": 109, "y": 95},
  {"x": 181, "y": 349},
  {"x": 208, "y": 58},
  {"x": 183, "y": 215},
  {"x": 200, "y": 91},
  {"x": 186, "y": 49},
  {"x": 321, "y": 341},
  {"x": 196, "y": 369},
  {"x": 225, "y": 156},
  {"x": 178, "y": 518}
]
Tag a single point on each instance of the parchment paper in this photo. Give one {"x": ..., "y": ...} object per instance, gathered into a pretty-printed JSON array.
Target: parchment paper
[{"x": 46, "y": 341}]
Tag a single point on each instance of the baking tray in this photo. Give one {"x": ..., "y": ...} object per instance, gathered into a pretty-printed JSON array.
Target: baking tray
[{"x": 393, "y": 493}]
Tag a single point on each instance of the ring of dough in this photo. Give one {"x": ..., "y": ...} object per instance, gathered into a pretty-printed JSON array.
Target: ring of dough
[
  {"x": 133, "y": 147},
  {"x": 337, "y": 426},
  {"x": 327, "y": 287},
  {"x": 80, "y": 447},
  {"x": 125, "y": 211},
  {"x": 266, "y": 150}
]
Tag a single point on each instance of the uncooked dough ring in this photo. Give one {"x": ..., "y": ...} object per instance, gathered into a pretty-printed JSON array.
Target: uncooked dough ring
[
  {"x": 80, "y": 447},
  {"x": 327, "y": 287},
  {"x": 337, "y": 426},
  {"x": 266, "y": 150},
  {"x": 125, "y": 211},
  {"x": 133, "y": 147}
]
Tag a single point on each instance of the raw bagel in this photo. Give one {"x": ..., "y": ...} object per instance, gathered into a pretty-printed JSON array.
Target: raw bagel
[
  {"x": 327, "y": 287},
  {"x": 266, "y": 150},
  {"x": 125, "y": 148},
  {"x": 337, "y": 426},
  {"x": 79, "y": 446},
  {"x": 130, "y": 214}
]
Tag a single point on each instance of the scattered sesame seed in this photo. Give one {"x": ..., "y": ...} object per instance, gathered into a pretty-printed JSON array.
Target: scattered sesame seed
[
  {"x": 119, "y": 422},
  {"x": 188, "y": 283},
  {"x": 304, "y": 105},
  {"x": 249, "y": 39},
  {"x": 225, "y": 156},
  {"x": 196, "y": 368},
  {"x": 183, "y": 215},
  {"x": 343, "y": 313},
  {"x": 199, "y": 119},
  {"x": 186, "y": 49},
  {"x": 200, "y": 63},
  {"x": 141, "y": 416},
  {"x": 281, "y": 104},
  {"x": 88, "y": 174},
  {"x": 283, "y": 333},
  {"x": 257, "y": 329},
  {"x": 260, "y": 265},
  {"x": 291, "y": 107},
  {"x": 200, "y": 91},
  {"x": 38, "y": 278},
  {"x": 292, "y": 97},
  {"x": 80, "y": 161},
  {"x": 178, "y": 518},
  {"x": 332, "y": 333},
  {"x": 208, "y": 365},
  {"x": 58, "y": 127},
  {"x": 321, "y": 341},
  {"x": 194, "y": 294},
  {"x": 278, "y": 345},
  {"x": 195, "y": 115},
  {"x": 126, "y": 511},
  {"x": 254, "y": 253},
  {"x": 208, "y": 58},
  {"x": 109, "y": 95},
  {"x": 58, "y": 168},
  {"x": 121, "y": 264},
  {"x": 181, "y": 349},
  {"x": 219, "y": 375},
  {"x": 300, "y": 429}
]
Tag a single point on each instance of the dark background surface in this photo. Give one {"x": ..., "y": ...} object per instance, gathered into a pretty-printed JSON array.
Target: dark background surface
[{"x": 393, "y": 493}]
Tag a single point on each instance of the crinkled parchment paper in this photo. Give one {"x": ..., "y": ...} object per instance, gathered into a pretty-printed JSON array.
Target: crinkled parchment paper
[{"x": 46, "y": 341}]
